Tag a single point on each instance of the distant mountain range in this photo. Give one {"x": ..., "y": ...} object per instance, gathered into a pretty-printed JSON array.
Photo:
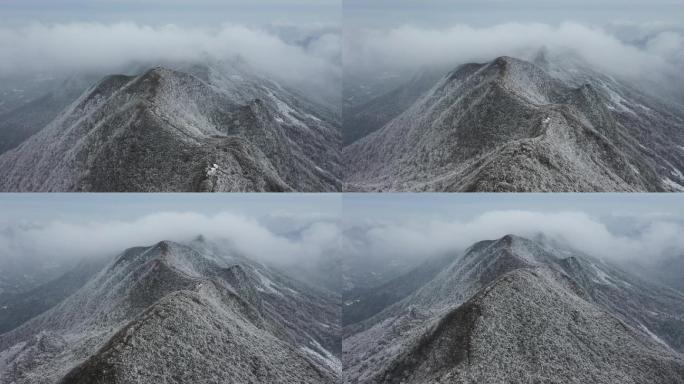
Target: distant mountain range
[
  {"x": 522, "y": 310},
  {"x": 509, "y": 125},
  {"x": 191, "y": 312}
]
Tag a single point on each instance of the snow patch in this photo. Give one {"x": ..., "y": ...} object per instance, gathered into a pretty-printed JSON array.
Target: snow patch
[
  {"x": 672, "y": 184},
  {"x": 213, "y": 170},
  {"x": 312, "y": 117},
  {"x": 601, "y": 276},
  {"x": 286, "y": 111},
  {"x": 267, "y": 285},
  {"x": 326, "y": 357},
  {"x": 617, "y": 101},
  {"x": 654, "y": 336}
]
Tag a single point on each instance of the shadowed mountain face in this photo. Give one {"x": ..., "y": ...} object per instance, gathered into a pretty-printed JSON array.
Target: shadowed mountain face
[
  {"x": 513, "y": 125},
  {"x": 21, "y": 122},
  {"x": 16, "y": 308},
  {"x": 192, "y": 313},
  {"x": 362, "y": 119},
  {"x": 360, "y": 304},
  {"x": 516, "y": 309},
  {"x": 200, "y": 128}
]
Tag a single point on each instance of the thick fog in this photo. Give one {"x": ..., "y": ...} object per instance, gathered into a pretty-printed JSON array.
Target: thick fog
[
  {"x": 642, "y": 238},
  {"x": 307, "y": 238},
  {"x": 284, "y": 237},
  {"x": 625, "y": 49},
  {"x": 301, "y": 231},
  {"x": 307, "y": 55}
]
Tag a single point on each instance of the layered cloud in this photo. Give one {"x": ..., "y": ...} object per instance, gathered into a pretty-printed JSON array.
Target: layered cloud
[
  {"x": 651, "y": 239},
  {"x": 313, "y": 56},
  {"x": 301, "y": 240},
  {"x": 659, "y": 48},
  {"x": 53, "y": 241}
]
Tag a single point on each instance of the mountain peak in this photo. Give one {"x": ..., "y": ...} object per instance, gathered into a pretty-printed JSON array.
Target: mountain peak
[
  {"x": 163, "y": 246},
  {"x": 126, "y": 127},
  {"x": 192, "y": 306},
  {"x": 505, "y": 61},
  {"x": 509, "y": 241}
]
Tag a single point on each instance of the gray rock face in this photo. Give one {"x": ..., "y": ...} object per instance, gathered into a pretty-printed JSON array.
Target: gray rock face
[
  {"x": 191, "y": 313},
  {"x": 515, "y": 309},
  {"x": 205, "y": 128},
  {"x": 512, "y": 125}
]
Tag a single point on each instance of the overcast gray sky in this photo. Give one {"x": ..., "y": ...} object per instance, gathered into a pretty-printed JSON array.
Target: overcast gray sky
[
  {"x": 84, "y": 207},
  {"x": 276, "y": 227},
  {"x": 182, "y": 12},
  {"x": 302, "y": 226},
  {"x": 440, "y": 13},
  {"x": 295, "y": 41},
  {"x": 631, "y": 38},
  {"x": 618, "y": 227}
]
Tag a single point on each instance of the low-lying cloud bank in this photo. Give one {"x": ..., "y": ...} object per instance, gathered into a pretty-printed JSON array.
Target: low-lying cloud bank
[
  {"x": 101, "y": 47},
  {"x": 300, "y": 239},
  {"x": 651, "y": 240},
  {"x": 659, "y": 48},
  {"x": 57, "y": 241}
]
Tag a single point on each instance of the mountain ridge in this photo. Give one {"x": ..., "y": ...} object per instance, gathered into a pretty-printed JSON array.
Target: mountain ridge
[
  {"x": 396, "y": 341},
  {"x": 231, "y": 133},
  {"x": 510, "y": 125},
  {"x": 193, "y": 296}
]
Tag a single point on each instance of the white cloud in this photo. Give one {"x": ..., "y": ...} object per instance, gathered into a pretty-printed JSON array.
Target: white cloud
[
  {"x": 57, "y": 240},
  {"x": 655, "y": 238},
  {"x": 96, "y": 46},
  {"x": 412, "y": 47}
]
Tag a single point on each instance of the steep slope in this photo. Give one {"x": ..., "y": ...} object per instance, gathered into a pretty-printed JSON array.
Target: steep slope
[
  {"x": 207, "y": 128},
  {"x": 191, "y": 312},
  {"x": 392, "y": 342},
  {"x": 511, "y": 125},
  {"x": 514, "y": 331}
]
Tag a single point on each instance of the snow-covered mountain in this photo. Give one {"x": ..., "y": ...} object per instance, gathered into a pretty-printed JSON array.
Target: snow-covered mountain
[
  {"x": 192, "y": 313},
  {"x": 550, "y": 124},
  {"x": 196, "y": 127},
  {"x": 523, "y": 310}
]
